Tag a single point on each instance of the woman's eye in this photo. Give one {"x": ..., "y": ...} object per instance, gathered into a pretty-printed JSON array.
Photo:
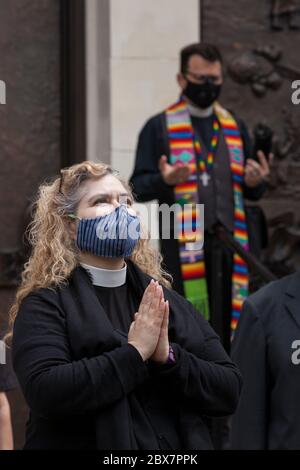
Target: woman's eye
[
  {"x": 99, "y": 201},
  {"x": 129, "y": 202}
]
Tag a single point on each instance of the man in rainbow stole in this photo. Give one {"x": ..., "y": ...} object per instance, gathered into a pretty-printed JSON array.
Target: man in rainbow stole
[{"x": 198, "y": 152}]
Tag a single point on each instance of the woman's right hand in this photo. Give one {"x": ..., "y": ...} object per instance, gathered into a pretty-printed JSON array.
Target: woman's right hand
[{"x": 145, "y": 330}]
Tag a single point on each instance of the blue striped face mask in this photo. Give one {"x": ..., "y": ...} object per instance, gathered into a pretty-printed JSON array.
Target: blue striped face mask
[{"x": 113, "y": 235}]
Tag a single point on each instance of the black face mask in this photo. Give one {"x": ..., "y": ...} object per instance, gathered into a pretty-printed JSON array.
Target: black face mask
[{"x": 202, "y": 95}]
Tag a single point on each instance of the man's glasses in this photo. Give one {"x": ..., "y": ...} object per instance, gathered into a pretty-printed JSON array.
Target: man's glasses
[{"x": 216, "y": 79}]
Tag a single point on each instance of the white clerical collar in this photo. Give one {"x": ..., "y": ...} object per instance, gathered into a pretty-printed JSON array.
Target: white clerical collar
[
  {"x": 199, "y": 112},
  {"x": 106, "y": 277}
]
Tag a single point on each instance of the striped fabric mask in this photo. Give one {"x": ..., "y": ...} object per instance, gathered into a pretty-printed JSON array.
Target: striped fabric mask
[{"x": 113, "y": 235}]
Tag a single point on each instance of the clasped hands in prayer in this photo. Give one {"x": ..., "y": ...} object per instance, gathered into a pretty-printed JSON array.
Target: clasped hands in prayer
[{"x": 148, "y": 332}]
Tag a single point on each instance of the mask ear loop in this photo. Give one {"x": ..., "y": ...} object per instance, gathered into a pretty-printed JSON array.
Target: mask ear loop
[{"x": 73, "y": 216}]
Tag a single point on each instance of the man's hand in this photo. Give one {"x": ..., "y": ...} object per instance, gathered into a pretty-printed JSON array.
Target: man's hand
[
  {"x": 256, "y": 173},
  {"x": 173, "y": 174}
]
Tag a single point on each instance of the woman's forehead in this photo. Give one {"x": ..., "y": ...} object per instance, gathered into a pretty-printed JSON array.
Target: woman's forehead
[{"x": 106, "y": 185}]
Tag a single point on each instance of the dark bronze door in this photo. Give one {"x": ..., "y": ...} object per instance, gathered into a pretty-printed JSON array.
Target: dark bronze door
[
  {"x": 260, "y": 42},
  {"x": 42, "y": 126}
]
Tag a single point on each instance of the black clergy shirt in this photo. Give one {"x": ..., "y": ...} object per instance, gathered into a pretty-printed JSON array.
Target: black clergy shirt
[{"x": 120, "y": 304}]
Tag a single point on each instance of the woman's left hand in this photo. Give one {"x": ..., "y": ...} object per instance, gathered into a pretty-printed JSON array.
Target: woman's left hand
[{"x": 161, "y": 352}]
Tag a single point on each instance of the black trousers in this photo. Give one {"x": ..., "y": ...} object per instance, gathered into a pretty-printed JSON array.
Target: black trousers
[{"x": 219, "y": 266}]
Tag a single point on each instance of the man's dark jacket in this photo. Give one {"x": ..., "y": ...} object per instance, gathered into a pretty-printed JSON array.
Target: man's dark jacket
[{"x": 267, "y": 350}]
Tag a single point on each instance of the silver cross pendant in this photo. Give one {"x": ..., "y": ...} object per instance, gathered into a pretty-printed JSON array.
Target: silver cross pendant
[{"x": 205, "y": 178}]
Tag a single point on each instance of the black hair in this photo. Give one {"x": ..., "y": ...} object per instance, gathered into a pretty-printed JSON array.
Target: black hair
[{"x": 209, "y": 52}]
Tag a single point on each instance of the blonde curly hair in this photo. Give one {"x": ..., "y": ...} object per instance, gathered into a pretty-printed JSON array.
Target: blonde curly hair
[{"x": 54, "y": 253}]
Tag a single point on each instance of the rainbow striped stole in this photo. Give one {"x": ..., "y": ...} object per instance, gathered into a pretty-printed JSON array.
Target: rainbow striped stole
[
  {"x": 183, "y": 149},
  {"x": 240, "y": 275},
  {"x": 181, "y": 142}
]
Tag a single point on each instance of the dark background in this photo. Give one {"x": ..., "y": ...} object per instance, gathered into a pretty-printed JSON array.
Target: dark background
[
  {"x": 244, "y": 31},
  {"x": 42, "y": 126}
]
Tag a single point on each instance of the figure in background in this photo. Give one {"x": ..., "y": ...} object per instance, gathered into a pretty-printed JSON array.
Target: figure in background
[
  {"x": 198, "y": 152},
  {"x": 7, "y": 382},
  {"x": 266, "y": 347}
]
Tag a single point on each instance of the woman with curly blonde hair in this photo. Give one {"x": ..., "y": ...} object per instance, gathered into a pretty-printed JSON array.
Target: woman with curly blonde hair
[{"x": 108, "y": 356}]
